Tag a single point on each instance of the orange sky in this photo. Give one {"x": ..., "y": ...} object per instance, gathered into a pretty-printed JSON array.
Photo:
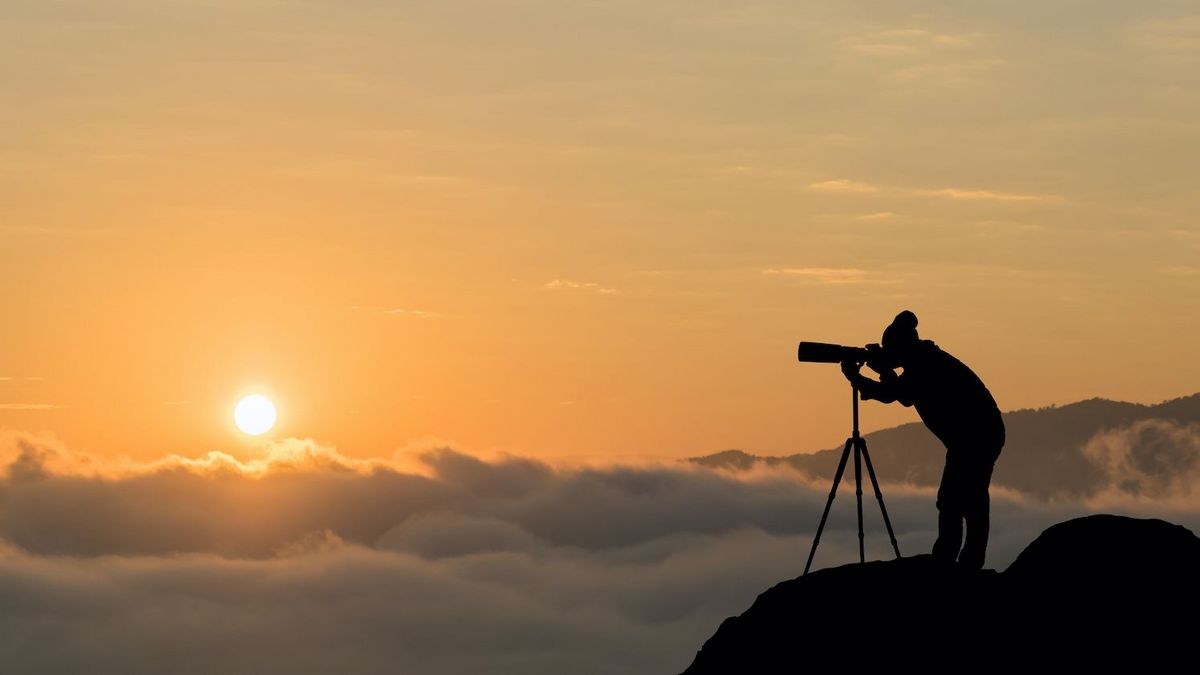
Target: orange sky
[{"x": 578, "y": 229}]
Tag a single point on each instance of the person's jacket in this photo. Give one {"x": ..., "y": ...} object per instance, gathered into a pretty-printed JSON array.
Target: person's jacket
[{"x": 951, "y": 399}]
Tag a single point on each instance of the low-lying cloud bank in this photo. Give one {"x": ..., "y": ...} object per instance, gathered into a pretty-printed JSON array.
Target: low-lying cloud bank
[
  {"x": 309, "y": 562},
  {"x": 1155, "y": 458}
]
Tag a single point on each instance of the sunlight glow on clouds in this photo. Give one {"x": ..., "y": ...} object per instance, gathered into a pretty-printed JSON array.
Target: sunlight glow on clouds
[{"x": 319, "y": 562}]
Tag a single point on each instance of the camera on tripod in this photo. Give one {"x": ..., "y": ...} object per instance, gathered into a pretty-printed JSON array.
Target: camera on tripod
[{"x": 877, "y": 359}]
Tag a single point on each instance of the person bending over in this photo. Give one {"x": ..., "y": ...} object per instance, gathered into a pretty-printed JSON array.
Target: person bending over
[{"x": 956, "y": 406}]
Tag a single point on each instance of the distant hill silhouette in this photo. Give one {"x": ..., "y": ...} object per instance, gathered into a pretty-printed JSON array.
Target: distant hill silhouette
[
  {"x": 1102, "y": 591},
  {"x": 1043, "y": 456}
]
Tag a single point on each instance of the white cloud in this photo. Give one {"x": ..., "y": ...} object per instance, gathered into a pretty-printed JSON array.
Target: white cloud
[
  {"x": 568, "y": 284},
  {"x": 980, "y": 195},
  {"x": 311, "y": 562},
  {"x": 947, "y": 74},
  {"x": 957, "y": 193},
  {"x": 399, "y": 311},
  {"x": 416, "y": 313},
  {"x": 878, "y": 215},
  {"x": 1184, "y": 271},
  {"x": 1156, "y": 458},
  {"x": 842, "y": 185},
  {"x": 1175, "y": 38},
  {"x": 824, "y": 275},
  {"x": 909, "y": 42}
]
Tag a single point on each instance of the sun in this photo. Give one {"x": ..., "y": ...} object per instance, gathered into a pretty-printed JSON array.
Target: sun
[{"x": 254, "y": 415}]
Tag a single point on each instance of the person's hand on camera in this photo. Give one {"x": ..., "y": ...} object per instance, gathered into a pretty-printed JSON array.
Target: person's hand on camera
[
  {"x": 850, "y": 370},
  {"x": 878, "y": 361}
]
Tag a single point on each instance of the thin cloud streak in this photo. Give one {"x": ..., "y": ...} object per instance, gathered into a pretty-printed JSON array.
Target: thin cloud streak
[
  {"x": 416, "y": 313},
  {"x": 983, "y": 195},
  {"x": 825, "y": 275},
  {"x": 399, "y": 311},
  {"x": 568, "y": 284},
  {"x": 842, "y": 185},
  {"x": 903, "y": 41},
  {"x": 956, "y": 193}
]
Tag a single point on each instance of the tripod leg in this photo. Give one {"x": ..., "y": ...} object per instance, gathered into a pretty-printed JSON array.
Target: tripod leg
[
  {"x": 837, "y": 478},
  {"x": 862, "y": 554},
  {"x": 879, "y": 496}
]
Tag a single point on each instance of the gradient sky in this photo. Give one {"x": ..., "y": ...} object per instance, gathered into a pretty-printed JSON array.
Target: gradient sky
[{"x": 582, "y": 229}]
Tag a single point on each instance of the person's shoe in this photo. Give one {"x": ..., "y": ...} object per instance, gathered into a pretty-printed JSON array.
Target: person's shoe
[{"x": 942, "y": 553}]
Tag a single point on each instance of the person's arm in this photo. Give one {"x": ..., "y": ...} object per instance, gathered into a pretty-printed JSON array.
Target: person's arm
[{"x": 888, "y": 389}]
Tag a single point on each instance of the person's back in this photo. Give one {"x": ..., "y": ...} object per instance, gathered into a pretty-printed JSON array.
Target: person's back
[
  {"x": 950, "y": 398},
  {"x": 958, "y": 408}
]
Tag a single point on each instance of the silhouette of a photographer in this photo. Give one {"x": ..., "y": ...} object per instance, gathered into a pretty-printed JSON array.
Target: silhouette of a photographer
[{"x": 956, "y": 406}]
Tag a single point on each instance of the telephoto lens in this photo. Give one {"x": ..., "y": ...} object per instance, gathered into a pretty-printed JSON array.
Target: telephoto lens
[{"x": 824, "y": 352}]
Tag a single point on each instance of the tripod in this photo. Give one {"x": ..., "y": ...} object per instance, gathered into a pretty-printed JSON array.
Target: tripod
[{"x": 859, "y": 444}]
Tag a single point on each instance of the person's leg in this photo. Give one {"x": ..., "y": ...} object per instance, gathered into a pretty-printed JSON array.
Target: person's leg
[
  {"x": 950, "y": 533},
  {"x": 950, "y": 514},
  {"x": 977, "y": 512}
]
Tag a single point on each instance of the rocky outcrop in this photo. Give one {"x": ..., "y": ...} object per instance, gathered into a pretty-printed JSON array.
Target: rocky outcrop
[{"x": 1101, "y": 592}]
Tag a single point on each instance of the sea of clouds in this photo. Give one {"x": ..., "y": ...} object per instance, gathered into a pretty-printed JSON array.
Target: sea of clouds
[{"x": 439, "y": 562}]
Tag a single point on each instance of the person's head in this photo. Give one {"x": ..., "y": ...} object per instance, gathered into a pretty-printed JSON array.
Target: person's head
[{"x": 900, "y": 338}]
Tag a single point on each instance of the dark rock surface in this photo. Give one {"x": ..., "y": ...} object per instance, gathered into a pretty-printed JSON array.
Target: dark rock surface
[{"x": 1101, "y": 592}]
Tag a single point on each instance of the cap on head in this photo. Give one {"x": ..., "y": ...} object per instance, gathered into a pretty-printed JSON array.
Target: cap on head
[{"x": 902, "y": 333}]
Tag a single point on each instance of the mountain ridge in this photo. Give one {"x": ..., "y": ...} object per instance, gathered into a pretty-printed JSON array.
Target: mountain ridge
[{"x": 1044, "y": 455}]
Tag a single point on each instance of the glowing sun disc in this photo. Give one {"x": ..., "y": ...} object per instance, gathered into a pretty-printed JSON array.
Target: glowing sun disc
[{"x": 254, "y": 415}]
